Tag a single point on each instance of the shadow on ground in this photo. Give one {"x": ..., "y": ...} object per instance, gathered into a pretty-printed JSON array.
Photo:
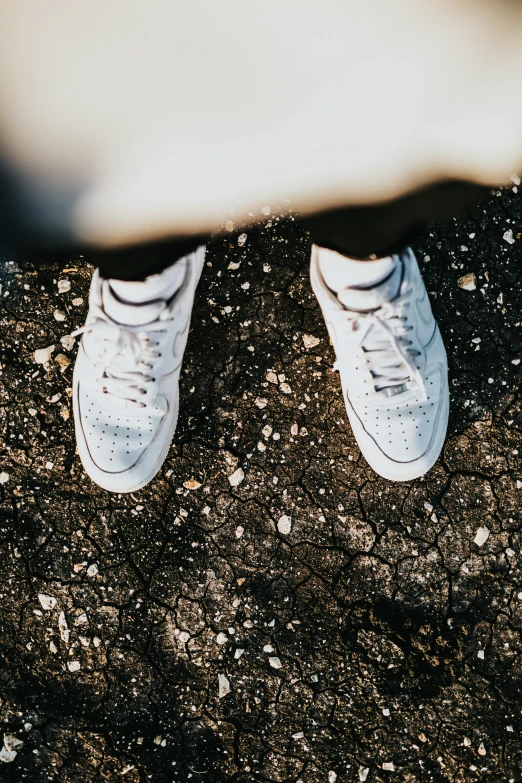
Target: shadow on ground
[{"x": 176, "y": 634}]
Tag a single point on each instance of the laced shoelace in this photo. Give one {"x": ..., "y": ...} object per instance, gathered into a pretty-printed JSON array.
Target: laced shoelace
[
  {"x": 383, "y": 338},
  {"x": 124, "y": 356}
]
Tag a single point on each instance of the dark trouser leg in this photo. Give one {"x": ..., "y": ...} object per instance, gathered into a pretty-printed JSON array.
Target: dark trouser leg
[
  {"x": 378, "y": 230},
  {"x": 358, "y": 232},
  {"x": 361, "y": 232},
  {"x": 139, "y": 261}
]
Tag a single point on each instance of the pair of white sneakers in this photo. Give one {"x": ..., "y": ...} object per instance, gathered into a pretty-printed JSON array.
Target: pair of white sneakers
[{"x": 390, "y": 356}]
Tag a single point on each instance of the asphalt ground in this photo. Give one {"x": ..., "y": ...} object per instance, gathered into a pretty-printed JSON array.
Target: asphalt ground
[{"x": 311, "y": 623}]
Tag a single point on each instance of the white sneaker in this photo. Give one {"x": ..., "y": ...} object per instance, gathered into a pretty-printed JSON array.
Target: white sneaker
[
  {"x": 393, "y": 367},
  {"x": 125, "y": 386}
]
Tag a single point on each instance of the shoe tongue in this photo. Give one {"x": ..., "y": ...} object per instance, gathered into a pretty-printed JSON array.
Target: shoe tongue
[
  {"x": 127, "y": 313},
  {"x": 362, "y": 299}
]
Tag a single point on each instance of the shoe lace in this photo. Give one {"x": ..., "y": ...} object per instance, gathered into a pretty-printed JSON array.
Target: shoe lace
[
  {"x": 389, "y": 352},
  {"x": 124, "y": 357}
]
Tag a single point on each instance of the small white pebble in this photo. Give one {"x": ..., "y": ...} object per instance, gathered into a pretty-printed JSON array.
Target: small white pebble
[
  {"x": 239, "y": 531},
  {"x": 12, "y": 743},
  {"x": 68, "y": 342},
  {"x": 48, "y": 602},
  {"x": 480, "y": 655},
  {"x": 4, "y": 477},
  {"x": 267, "y": 430},
  {"x": 184, "y": 637},
  {"x": 284, "y": 525},
  {"x": 224, "y": 685},
  {"x": 481, "y": 536},
  {"x": 62, "y": 361},
  {"x": 59, "y": 315},
  {"x": 386, "y": 712},
  {"x": 310, "y": 341},
  {"x": 236, "y": 478},
  {"x": 468, "y": 282},
  {"x": 332, "y": 776},
  {"x": 481, "y": 749},
  {"x": 363, "y": 773},
  {"x": 64, "y": 286},
  {"x": 42, "y": 355},
  {"x": 508, "y": 236},
  {"x": 221, "y": 638},
  {"x": 191, "y": 484},
  {"x": 7, "y": 756},
  {"x": 268, "y": 648},
  {"x": 389, "y": 766},
  {"x": 73, "y": 666},
  {"x": 238, "y": 653},
  {"x": 92, "y": 570},
  {"x": 242, "y": 238},
  {"x": 275, "y": 662}
]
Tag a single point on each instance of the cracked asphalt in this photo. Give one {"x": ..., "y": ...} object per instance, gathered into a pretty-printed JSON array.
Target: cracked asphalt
[{"x": 304, "y": 620}]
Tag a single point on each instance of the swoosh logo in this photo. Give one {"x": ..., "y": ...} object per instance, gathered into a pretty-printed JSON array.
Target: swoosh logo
[
  {"x": 178, "y": 343},
  {"x": 422, "y": 309}
]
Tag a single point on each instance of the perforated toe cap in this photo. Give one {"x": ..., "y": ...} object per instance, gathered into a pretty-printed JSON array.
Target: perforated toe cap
[
  {"x": 117, "y": 440},
  {"x": 404, "y": 433}
]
